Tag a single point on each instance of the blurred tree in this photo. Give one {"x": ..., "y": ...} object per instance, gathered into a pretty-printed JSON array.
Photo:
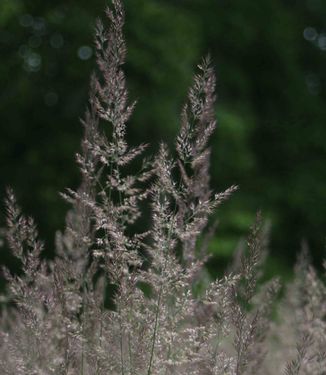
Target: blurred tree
[{"x": 270, "y": 60}]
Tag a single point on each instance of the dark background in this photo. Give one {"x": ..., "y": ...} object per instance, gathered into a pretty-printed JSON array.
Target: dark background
[{"x": 271, "y": 138}]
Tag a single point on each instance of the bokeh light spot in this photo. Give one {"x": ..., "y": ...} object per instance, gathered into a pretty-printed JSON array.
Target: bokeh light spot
[
  {"x": 23, "y": 50},
  {"x": 51, "y": 98},
  {"x": 310, "y": 34},
  {"x": 322, "y": 42},
  {"x": 39, "y": 25},
  {"x": 85, "y": 52},
  {"x": 56, "y": 40},
  {"x": 33, "y": 62}
]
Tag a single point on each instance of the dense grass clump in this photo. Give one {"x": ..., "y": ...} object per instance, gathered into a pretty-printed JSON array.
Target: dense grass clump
[{"x": 59, "y": 320}]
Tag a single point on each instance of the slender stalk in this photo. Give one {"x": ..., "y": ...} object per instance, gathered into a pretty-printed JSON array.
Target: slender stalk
[
  {"x": 155, "y": 329},
  {"x": 83, "y": 333},
  {"x": 101, "y": 329},
  {"x": 121, "y": 344},
  {"x": 130, "y": 353},
  {"x": 158, "y": 306}
]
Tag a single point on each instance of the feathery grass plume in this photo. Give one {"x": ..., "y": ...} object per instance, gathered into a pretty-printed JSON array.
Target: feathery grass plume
[
  {"x": 198, "y": 122},
  {"x": 294, "y": 366},
  {"x": 300, "y": 336},
  {"x": 60, "y": 319}
]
